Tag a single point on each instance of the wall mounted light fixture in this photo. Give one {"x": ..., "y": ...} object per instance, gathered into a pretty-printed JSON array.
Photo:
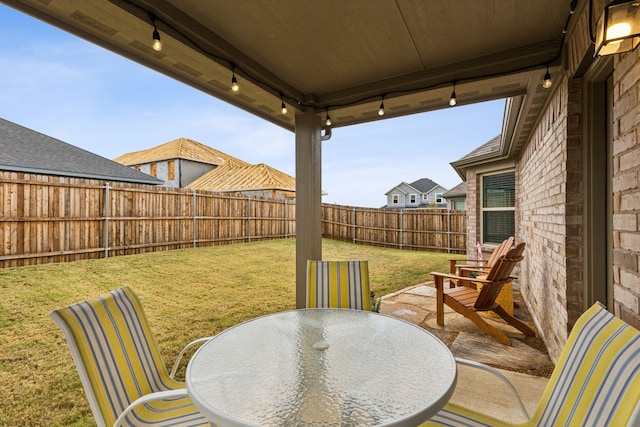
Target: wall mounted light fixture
[{"x": 618, "y": 29}]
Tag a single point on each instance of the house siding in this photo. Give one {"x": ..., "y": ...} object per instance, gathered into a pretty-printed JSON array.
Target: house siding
[{"x": 183, "y": 171}]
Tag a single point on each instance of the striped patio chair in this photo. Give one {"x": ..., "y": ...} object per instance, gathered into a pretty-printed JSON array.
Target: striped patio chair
[
  {"x": 120, "y": 366},
  {"x": 596, "y": 381},
  {"x": 338, "y": 284}
]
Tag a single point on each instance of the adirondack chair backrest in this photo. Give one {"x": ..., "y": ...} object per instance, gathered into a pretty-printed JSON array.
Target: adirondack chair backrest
[
  {"x": 501, "y": 250},
  {"x": 499, "y": 275}
]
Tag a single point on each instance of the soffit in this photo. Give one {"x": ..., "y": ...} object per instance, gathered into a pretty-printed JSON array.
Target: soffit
[{"x": 341, "y": 55}]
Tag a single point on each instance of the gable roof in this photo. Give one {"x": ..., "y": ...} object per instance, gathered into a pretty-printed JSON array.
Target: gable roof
[
  {"x": 181, "y": 148},
  {"x": 459, "y": 190},
  {"x": 25, "y": 150},
  {"x": 490, "y": 151},
  {"x": 233, "y": 176},
  {"x": 424, "y": 185}
]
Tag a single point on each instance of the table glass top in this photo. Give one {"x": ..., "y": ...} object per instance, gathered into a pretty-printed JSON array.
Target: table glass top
[{"x": 321, "y": 367}]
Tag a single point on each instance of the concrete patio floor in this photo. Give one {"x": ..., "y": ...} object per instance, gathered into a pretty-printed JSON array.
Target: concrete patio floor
[{"x": 525, "y": 363}]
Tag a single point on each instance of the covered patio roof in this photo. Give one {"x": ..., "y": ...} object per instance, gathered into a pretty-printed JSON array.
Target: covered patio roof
[{"x": 342, "y": 58}]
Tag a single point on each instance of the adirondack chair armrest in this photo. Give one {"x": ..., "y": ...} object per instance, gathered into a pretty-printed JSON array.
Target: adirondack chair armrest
[
  {"x": 199, "y": 341},
  {"x": 475, "y": 260},
  {"x": 159, "y": 395},
  {"x": 498, "y": 375},
  {"x": 456, "y": 277},
  {"x": 469, "y": 267}
]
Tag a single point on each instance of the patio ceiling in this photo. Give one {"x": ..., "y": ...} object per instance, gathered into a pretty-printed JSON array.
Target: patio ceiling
[{"x": 336, "y": 54}]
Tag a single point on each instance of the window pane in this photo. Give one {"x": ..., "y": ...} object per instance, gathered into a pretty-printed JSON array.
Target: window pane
[
  {"x": 499, "y": 191},
  {"x": 498, "y": 226}
]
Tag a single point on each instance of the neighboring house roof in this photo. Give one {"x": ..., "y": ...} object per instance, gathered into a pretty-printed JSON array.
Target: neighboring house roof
[
  {"x": 233, "y": 176},
  {"x": 181, "y": 148},
  {"x": 25, "y": 150},
  {"x": 459, "y": 190},
  {"x": 490, "y": 151},
  {"x": 423, "y": 185}
]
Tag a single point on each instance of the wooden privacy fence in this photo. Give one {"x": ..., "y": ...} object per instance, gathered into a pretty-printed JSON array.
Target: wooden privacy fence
[
  {"x": 56, "y": 219},
  {"x": 437, "y": 230},
  {"x": 46, "y": 219}
]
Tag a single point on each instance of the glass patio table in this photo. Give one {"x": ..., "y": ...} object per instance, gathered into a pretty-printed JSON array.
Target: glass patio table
[{"x": 321, "y": 367}]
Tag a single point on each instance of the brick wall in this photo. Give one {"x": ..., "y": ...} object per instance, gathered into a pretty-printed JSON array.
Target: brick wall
[
  {"x": 626, "y": 188},
  {"x": 541, "y": 177}
]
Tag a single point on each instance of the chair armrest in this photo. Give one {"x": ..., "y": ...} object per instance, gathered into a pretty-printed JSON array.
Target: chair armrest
[
  {"x": 466, "y": 279},
  {"x": 159, "y": 395},
  {"x": 473, "y": 267},
  {"x": 499, "y": 375},
  {"x": 479, "y": 261},
  {"x": 187, "y": 347}
]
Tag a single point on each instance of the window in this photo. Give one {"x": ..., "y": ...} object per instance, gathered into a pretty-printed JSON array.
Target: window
[
  {"x": 498, "y": 206},
  {"x": 154, "y": 169},
  {"x": 172, "y": 170},
  {"x": 439, "y": 198},
  {"x": 458, "y": 205},
  {"x": 395, "y": 199},
  {"x": 413, "y": 199}
]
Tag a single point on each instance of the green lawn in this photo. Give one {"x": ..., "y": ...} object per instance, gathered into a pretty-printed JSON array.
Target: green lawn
[{"x": 187, "y": 294}]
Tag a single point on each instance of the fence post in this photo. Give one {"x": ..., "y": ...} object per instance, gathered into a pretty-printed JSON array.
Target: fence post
[
  {"x": 355, "y": 229},
  {"x": 285, "y": 219},
  {"x": 249, "y": 218},
  {"x": 401, "y": 225},
  {"x": 195, "y": 223},
  {"x": 107, "y": 203},
  {"x": 448, "y": 230}
]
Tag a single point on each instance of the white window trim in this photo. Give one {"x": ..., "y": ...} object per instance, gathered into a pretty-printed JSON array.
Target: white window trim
[{"x": 483, "y": 209}]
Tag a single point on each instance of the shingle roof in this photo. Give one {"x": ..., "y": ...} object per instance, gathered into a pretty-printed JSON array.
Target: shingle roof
[
  {"x": 25, "y": 150},
  {"x": 181, "y": 148},
  {"x": 233, "y": 176},
  {"x": 457, "y": 191},
  {"x": 490, "y": 147},
  {"x": 424, "y": 185}
]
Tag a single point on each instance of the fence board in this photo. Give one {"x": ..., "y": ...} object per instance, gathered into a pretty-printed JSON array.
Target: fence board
[{"x": 56, "y": 219}]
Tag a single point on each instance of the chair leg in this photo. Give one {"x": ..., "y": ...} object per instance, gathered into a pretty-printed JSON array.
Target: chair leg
[
  {"x": 439, "y": 280},
  {"x": 497, "y": 334},
  {"x": 516, "y": 323}
]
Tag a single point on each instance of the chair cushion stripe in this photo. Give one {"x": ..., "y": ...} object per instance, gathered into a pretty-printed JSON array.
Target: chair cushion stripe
[
  {"x": 118, "y": 350},
  {"x": 597, "y": 375},
  {"x": 596, "y": 381},
  {"x": 457, "y": 416},
  {"x": 338, "y": 284}
]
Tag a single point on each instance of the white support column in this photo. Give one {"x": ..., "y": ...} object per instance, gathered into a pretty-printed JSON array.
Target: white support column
[{"x": 308, "y": 197}]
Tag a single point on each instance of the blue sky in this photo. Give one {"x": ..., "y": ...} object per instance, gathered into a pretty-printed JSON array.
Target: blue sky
[{"x": 67, "y": 88}]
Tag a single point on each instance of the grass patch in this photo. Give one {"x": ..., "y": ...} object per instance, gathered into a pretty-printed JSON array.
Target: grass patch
[{"x": 187, "y": 294}]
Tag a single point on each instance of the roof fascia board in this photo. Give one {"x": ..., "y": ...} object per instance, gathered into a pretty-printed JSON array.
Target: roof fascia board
[{"x": 151, "y": 181}]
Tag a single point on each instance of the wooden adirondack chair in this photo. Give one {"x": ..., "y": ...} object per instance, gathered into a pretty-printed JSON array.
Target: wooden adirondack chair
[
  {"x": 478, "y": 264},
  {"x": 468, "y": 266},
  {"x": 467, "y": 301}
]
